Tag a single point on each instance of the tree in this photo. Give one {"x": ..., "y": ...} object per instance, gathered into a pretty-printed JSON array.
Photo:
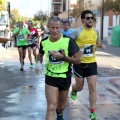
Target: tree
[
  {"x": 77, "y": 10},
  {"x": 115, "y": 8},
  {"x": 15, "y": 15},
  {"x": 41, "y": 16},
  {"x": 112, "y": 5},
  {"x": 3, "y": 4}
]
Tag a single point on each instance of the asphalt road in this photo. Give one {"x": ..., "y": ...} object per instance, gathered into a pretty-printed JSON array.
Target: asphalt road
[{"x": 22, "y": 93}]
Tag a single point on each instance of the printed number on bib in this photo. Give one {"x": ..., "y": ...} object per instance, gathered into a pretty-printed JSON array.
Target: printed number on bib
[
  {"x": 53, "y": 60},
  {"x": 87, "y": 50},
  {"x": 21, "y": 37},
  {"x": 32, "y": 40}
]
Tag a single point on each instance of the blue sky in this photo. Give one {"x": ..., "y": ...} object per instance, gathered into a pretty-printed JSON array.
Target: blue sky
[{"x": 30, "y": 7}]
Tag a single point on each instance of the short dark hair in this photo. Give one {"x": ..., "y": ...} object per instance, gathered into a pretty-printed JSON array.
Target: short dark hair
[
  {"x": 30, "y": 22},
  {"x": 66, "y": 21},
  {"x": 54, "y": 18},
  {"x": 20, "y": 22},
  {"x": 85, "y": 12}
]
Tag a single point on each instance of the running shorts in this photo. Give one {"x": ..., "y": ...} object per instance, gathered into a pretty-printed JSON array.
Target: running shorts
[
  {"x": 85, "y": 69},
  {"x": 22, "y": 46},
  {"x": 60, "y": 83},
  {"x": 33, "y": 46}
]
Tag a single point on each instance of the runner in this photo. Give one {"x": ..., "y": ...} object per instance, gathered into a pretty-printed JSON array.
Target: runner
[
  {"x": 33, "y": 42},
  {"x": 60, "y": 51},
  {"x": 22, "y": 44},
  {"x": 86, "y": 38},
  {"x": 66, "y": 28}
]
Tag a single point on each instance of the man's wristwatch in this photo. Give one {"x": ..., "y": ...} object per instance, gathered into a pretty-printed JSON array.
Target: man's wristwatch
[{"x": 63, "y": 58}]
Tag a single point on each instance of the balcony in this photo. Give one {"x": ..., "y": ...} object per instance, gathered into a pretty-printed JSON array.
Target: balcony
[
  {"x": 59, "y": 2},
  {"x": 56, "y": 11}
]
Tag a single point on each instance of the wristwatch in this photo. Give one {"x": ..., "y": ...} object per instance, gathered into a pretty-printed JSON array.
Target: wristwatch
[{"x": 63, "y": 58}]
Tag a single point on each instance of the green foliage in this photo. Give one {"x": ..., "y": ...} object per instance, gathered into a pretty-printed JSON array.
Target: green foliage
[
  {"x": 3, "y": 4},
  {"x": 15, "y": 15},
  {"x": 113, "y": 6},
  {"x": 77, "y": 9},
  {"x": 41, "y": 16}
]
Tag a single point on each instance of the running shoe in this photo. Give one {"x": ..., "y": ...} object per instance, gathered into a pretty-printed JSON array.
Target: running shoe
[
  {"x": 60, "y": 117},
  {"x": 93, "y": 116},
  {"x": 21, "y": 68},
  {"x": 73, "y": 95},
  {"x": 31, "y": 65}
]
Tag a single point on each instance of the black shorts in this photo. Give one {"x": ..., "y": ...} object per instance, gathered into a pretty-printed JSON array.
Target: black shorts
[
  {"x": 22, "y": 46},
  {"x": 32, "y": 46},
  {"x": 60, "y": 83},
  {"x": 85, "y": 69}
]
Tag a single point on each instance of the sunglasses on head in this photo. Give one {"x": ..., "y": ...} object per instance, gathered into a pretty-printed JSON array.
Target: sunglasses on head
[{"x": 88, "y": 18}]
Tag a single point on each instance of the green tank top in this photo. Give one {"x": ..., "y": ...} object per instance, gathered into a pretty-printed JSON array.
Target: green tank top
[
  {"x": 21, "y": 37},
  {"x": 56, "y": 67}
]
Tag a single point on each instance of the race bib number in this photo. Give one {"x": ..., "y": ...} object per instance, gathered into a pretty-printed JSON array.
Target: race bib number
[
  {"x": 87, "y": 50},
  {"x": 21, "y": 37},
  {"x": 30, "y": 41},
  {"x": 53, "y": 60}
]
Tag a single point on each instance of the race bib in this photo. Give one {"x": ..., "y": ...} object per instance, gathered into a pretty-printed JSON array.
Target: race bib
[
  {"x": 53, "y": 60},
  {"x": 21, "y": 37},
  {"x": 87, "y": 50},
  {"x": 30, "y": 41}
]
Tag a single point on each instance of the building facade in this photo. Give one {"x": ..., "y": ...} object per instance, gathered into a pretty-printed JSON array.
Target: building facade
[
  {"x": 63, "y": 8},
  {"x": 58, "y": 6}
]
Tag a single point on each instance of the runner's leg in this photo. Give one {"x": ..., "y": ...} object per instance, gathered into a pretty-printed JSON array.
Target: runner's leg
[
  {"x": 24, "y": 54},
  {"x": 34, "y": 52},
  {"x": 20, "y": 50},
  {"x": 51, "y": 97},
  {"x": 92, "y": 90},
  {"x": 62, "y": 96},
  {"x": 29, "y": 54},
  {"x": 79, "y": 83}
]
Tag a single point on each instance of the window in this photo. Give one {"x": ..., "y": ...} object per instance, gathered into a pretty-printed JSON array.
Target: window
[{"x": 56, "y": 8}]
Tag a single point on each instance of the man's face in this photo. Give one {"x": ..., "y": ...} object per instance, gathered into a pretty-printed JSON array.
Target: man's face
[
  {"x": 20, "y": 24},
  {"x": 66, "y": 26},
  {"x": 29, "y": 25},
  {"x": 54, "y": 29},
  {"x": 88, "y": 20}
]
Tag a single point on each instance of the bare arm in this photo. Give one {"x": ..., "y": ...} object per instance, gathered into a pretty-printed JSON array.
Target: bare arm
[
  {"x": 15, "y": 34},
  {"x": 3, "y": 40},
  {"x": 75, "y": 59},
  {"x": 99, "y": 45},
  {"x": 39, "y": 58},
  {"x": 37, "y": 39}
]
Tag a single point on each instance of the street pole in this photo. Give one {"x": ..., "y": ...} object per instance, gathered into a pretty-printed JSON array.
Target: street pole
[
  {"x": 8, "y": 8},
  {"x": 68, "y": 10},
  {"x": 48, "y": 8},
  {"x": 102, "y": 20}
]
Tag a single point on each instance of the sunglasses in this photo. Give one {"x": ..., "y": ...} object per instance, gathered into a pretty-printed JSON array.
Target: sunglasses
[{"x": 88, "y": 18}]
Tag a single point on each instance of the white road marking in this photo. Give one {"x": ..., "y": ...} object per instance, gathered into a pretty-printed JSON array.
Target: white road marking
[{"x": 116, "y": 67}]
